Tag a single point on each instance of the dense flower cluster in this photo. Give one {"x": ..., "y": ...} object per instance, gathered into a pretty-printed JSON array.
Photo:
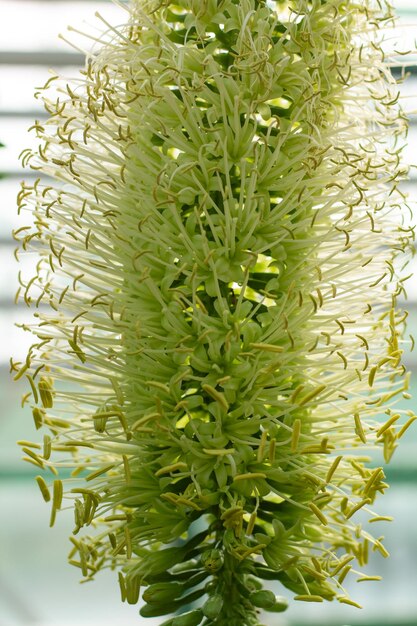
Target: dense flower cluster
[{"x": 220, "y": 258}]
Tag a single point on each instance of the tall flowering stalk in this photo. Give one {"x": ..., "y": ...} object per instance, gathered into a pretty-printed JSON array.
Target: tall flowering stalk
[{"x": 220, "y": 258}]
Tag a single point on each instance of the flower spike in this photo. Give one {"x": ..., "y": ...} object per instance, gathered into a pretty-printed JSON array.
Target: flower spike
[{"x": 217, "y": 332}]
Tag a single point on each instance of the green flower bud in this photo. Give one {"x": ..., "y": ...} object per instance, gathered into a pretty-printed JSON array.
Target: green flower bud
[
  {"x": 264, "y": 599},
  {"x": 155, "y": 610},
  {"x": 160, "y": 593},
  {"x": 212, "y": 560},
  {"x": 192, "y": 618},
  {"x": 213, "y": 606}
]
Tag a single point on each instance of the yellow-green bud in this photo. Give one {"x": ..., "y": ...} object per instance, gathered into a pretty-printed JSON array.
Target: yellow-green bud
[{"x": 212, "y": 560}]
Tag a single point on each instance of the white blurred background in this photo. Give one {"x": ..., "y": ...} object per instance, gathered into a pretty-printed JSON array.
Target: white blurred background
[{"x": 37, "y": 587}]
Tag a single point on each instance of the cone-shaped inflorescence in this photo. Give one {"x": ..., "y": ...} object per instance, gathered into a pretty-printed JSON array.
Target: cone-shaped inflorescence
[{"x": 217, "y": 328}]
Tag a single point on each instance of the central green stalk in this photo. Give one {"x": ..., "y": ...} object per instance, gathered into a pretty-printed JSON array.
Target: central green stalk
[{"x": 236, "y": 606}]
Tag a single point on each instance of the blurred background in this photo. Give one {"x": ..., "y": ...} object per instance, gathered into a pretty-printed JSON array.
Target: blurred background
[{"x": 37, "y": 587}]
